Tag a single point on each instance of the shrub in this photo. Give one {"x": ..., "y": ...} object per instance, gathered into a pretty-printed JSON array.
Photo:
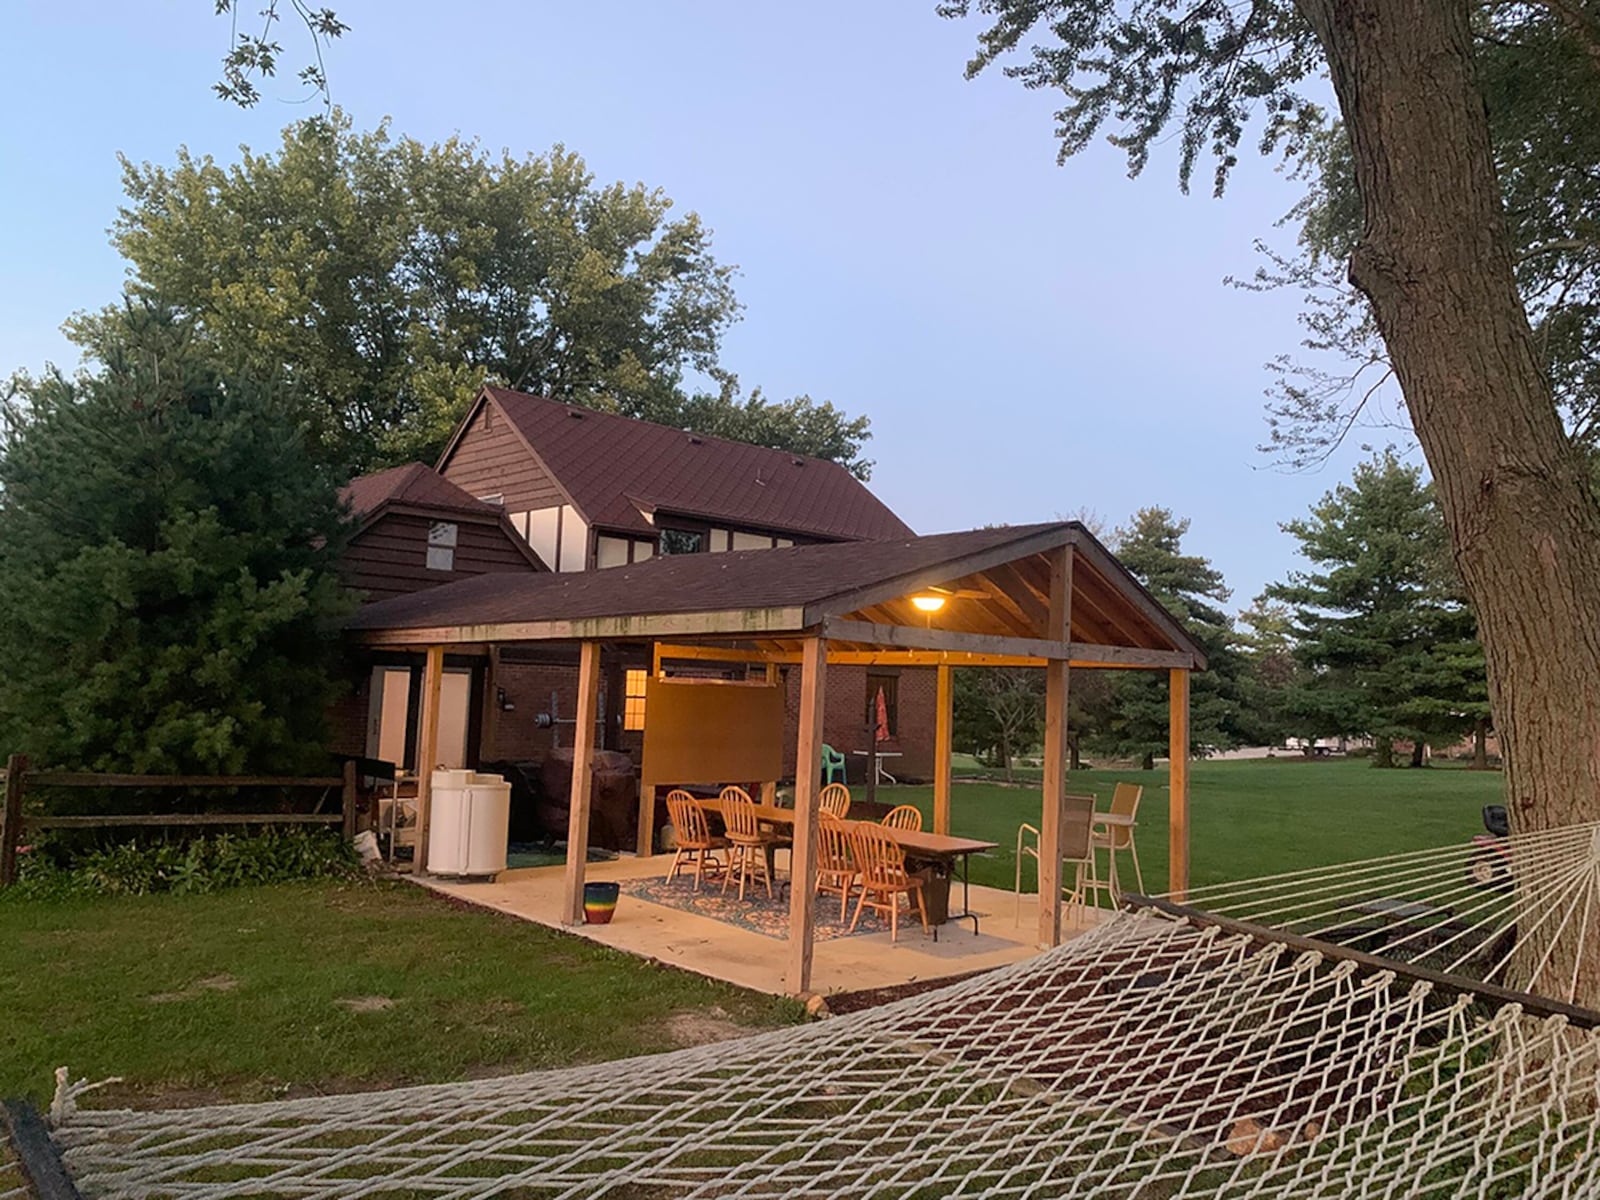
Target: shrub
[{"x": 200, "y": 864}]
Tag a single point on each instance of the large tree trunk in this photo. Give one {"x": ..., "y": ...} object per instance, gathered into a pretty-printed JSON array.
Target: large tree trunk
[
  {"x": 1435, "y": 261},
  {"x": 1480, "y": 744}
]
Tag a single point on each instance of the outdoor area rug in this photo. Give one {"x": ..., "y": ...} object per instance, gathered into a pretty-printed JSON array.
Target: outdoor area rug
[{"x": 755, "y": 912}]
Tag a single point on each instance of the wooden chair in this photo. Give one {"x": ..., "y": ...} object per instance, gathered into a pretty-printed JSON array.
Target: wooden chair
[
  {"x": 884, "y": 878},
  {"x": 835, "y": 800},
  {"x": 693, "y": 835},
  {"x": 1111, "y": 838},
  {"x": 1079, "y": 812},
  {"x": 836, "y": 867},
  {"x": 747, "y": 844},
  {"x": 907, "y": 817}
]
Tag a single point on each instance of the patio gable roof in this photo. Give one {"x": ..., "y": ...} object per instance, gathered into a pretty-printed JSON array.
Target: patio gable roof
[{"x": 996, "y": 583}]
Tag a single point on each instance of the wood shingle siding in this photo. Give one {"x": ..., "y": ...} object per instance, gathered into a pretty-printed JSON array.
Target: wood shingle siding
[
  {"x": 491, "y": 459},
  {"x": 389, "y": 557}
]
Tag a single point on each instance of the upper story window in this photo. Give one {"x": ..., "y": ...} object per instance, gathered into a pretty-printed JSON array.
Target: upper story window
[
  {"x": 442, "y": 546},
  {"x": 682, "y": 541}
]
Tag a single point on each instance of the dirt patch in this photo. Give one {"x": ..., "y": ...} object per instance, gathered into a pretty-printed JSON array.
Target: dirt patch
[
  {"x": 848, "y": 1002},
  {"x": 695, "y": 1028},
  {"x": 211, "y": 983},
  {"x": 365, "y": 1004}
]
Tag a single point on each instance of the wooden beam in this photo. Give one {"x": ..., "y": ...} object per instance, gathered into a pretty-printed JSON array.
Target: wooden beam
[
  {"x": 1086, "y": 654},
  {"x": 807, "y": 795},
  {"x": 912, "y": 638},
  {"x": 349, "y": 794},
  {"x": 88, "y": 779},
  {"x": 11, "y": 817},
  {"x": 1089, "y": 655},
  {"x": 769, "y": 787},
  {"x": 581, "y": 795},
  {"x": 646, "y": 838},
  {"x": 943, "y": 731},
  {"x": 179, "y": 820},
  {"x": 36, "y": 1152},
  {"x": 641, "y": 627},
  {"x": 1178, "y": 785},
  {"x": 1056, "y": 753},
  {"x": 1044, "y": 540},
  {"x": 723, "y": 654},
  {"x": 427, "y": 749},
  {"x": 1105, "y": 564},
  {"x": 1009, "y": 581}
]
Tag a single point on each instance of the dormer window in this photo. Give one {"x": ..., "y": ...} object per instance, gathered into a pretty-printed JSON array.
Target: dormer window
[
  {"x": 682, "y": 541},
  {"x": 442, "y": 546}
]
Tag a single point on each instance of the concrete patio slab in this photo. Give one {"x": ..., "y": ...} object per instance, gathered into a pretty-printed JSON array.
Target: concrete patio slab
[{"x": 722, "y": 951}]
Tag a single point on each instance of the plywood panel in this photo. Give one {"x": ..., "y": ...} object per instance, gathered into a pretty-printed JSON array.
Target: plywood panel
[{"x": 712, "y": 732}]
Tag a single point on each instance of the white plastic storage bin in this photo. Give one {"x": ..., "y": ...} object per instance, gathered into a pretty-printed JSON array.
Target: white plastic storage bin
[{"x": 468, "y": 824}]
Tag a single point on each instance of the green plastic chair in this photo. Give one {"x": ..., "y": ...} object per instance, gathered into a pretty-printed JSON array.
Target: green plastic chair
[{"x": 832, "y": 765}]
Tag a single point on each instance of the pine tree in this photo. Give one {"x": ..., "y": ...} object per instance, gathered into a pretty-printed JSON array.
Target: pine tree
[
  {"x": 1190, "y": 588},
  {"x": 1389, "y": 646},
  {"x": 166, "y": 566}
]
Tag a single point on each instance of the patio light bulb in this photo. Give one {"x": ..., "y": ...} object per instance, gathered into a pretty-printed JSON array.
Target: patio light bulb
[{"x": 928, "y": 604}]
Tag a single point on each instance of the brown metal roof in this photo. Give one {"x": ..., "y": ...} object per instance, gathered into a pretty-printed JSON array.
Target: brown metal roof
[
  {"x": 812, "y": 583},
  {"x": 615, "y": 469},
  {"x": 415, "y": 484}
]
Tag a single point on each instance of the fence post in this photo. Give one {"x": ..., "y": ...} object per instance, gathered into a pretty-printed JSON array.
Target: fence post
[
  {"x": 11, "y": 818},
  {"x": 349, "y": 799}
]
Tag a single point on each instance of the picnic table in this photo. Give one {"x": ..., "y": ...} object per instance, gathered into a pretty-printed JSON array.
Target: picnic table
[{"x": 938, "y": 850}]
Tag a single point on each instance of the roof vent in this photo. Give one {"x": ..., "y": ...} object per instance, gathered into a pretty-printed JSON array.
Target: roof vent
[
  {"x": 574, "y": 414},
  {"x": 694, "y": 441},
  {"x": 799, "y": 462}
]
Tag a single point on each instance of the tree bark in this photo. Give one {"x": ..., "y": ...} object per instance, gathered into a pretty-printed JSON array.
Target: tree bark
[
  {"x": 1148, "y": 762},
  {"x": 1480, "y": 744},
  {"x": 1418, "y": 753},
  {"x": 1435, "y": 261}
]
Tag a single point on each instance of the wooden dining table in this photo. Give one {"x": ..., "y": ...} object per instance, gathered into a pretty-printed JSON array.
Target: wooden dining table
[{"x": 936, "y": 848}]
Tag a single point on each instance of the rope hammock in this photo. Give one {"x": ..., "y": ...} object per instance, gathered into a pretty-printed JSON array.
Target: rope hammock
[{"x": 1265, "y": 1048}]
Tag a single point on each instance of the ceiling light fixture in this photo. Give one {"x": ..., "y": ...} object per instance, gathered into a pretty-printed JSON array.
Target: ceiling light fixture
[{"x": 928, "y": 604}]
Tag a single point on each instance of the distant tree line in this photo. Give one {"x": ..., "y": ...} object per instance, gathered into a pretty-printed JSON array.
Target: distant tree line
[{"x": 1373, "y": 640}]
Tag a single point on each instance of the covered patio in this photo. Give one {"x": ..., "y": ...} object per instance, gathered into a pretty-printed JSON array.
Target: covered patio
[{"x": 1043, "y": 596}]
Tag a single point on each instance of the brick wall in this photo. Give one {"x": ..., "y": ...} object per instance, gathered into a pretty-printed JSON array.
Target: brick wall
[
  {"x": 515, "y": 735},
  {"x": 844, "y": 724}
]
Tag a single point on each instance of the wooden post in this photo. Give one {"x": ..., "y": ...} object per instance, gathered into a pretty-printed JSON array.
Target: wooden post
[
  {"x": 348, "y": 797},
  {"x": 943, "y": 731},
  {"x": 11, "y": 818},
  {"x": 427, "y": 750},
  {"x": 807, "y": 798},
  {"x": 769, "y": 787},
  {"x": 646, "y": 840},
  {"x": 1178, "y": 785},
  {"x": 582, "y": 782},
  {"x": 1055, "y": 751},
  {"x": 489, "y": 706}
]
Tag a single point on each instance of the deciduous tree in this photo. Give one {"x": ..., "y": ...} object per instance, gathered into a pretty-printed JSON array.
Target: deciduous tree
[
  {"x": 1435, "y": 259},
  {"x": 390, "y": 279}
]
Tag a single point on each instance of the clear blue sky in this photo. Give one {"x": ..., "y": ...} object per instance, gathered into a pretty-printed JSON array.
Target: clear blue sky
[{"x": 1029, "y": 340}]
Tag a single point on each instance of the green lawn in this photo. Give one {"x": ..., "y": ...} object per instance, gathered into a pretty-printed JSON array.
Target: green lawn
[
  {"x": 1250, "y": 818},
  {"x": 267, "y": 991}
]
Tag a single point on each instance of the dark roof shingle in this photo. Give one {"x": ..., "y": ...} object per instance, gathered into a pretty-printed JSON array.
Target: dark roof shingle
[
  {"x": 414, "y": 483},
  {"x": 613, "y": 467}
]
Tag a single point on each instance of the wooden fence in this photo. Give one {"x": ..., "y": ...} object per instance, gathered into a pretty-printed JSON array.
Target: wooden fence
[{"x": 18, "y": 778}]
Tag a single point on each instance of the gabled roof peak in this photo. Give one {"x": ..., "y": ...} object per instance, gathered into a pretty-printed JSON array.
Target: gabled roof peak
[{"x": 601, "y": 459}]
